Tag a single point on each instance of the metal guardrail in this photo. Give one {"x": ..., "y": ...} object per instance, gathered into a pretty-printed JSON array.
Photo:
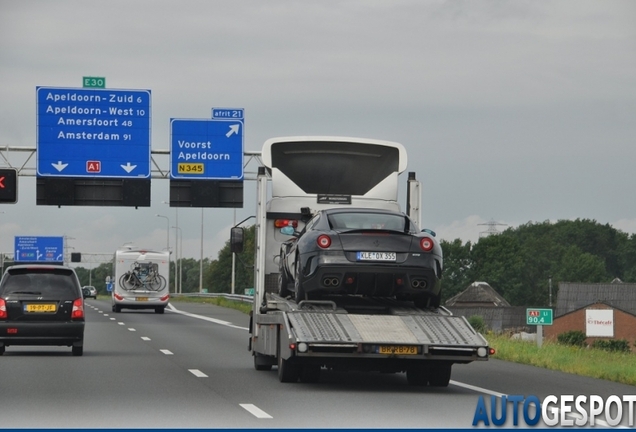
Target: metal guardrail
[{"x": 235, "y": 297}]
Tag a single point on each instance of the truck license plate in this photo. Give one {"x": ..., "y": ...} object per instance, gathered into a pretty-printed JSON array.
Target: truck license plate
[{"x": 398, "y": 350}]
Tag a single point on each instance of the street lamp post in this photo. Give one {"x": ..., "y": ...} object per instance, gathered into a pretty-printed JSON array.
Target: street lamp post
[{"x": 201, "y": 261}]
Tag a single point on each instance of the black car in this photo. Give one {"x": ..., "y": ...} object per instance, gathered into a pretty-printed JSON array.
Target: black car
[
  {"x": 360, "y": 251},
  {"x": 41, "y": 305}
]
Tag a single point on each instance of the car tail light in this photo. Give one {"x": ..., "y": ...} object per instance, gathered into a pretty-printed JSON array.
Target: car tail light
[
  {"x": 323, "y": 241},
  {"x": 426, "y": 244},
  {"x": 3, "y": 309},
  {"x": 78, "y": 309},
  {"x": 281, "y": 223},
  {"x": 164, "y": 298}
]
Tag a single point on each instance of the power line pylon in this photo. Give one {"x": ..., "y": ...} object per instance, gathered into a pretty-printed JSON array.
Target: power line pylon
[{"x": 491, "y": 228}]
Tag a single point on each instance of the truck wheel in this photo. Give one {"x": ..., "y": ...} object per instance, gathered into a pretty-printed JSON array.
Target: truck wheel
[
  {"x": 78, "y": 350},
  {"x": 310, "y": 374},
  {"x": 159, "y": 309},
  {"x": 116, "y": 308},
  {"x": 440, "y": 375},
  {"x": 418, "y": 375},
  {"x": 261, "y": 363},
  {"x": 288, "y": 370}
]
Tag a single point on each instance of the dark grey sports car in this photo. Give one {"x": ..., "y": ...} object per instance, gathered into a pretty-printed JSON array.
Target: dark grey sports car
[{"x": 369, "y": 252}]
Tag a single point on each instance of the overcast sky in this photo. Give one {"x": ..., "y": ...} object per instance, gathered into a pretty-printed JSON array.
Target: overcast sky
[{"x": 511, "y": 111}]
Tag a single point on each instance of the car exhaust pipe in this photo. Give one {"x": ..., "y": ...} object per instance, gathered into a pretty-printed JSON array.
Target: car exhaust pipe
[
  {"x": 417, "y": 283},
  {"x": 330, "y": 281}
]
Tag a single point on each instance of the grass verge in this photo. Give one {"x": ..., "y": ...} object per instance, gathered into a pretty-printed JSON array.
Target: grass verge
[{"x": 611, "y": 366}]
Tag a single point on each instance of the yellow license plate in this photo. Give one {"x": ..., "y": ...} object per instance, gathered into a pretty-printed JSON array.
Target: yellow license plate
[
  {"x": 40, "y": 307},
  {"x": 190, "y": 168},
  {"x": 398, "y": 349},
  {"x": 142, "y": 298}
]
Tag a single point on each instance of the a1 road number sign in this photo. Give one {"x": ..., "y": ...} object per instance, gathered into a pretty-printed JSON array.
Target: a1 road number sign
[{"x": 538, "y": 316}]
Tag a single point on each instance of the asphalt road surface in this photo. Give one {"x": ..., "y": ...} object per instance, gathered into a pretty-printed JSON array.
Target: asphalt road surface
[{"x": 190, "y": 368}]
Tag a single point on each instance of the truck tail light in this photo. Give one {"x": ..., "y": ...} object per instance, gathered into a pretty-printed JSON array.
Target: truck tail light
[
  {"x": 164, "y": 298},
  {"x": 3, "y": 309},
  {"x": 78, "y": 309},
  {"x": 282, "y": 223},
  {"x": 323, "y": 241}
]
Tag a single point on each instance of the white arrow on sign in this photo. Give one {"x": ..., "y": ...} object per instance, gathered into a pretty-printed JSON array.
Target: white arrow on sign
[
  {"x": 128, "y": 167},
  {"x": 233, "y": 130},
  {"x": 59, "y": 165}
]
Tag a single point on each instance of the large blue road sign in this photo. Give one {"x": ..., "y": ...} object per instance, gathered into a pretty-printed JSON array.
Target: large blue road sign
[
  {"x": 36, "y": 249},
  {"x": 210, "y": 149},
  {"x": 93, "y": 133}
]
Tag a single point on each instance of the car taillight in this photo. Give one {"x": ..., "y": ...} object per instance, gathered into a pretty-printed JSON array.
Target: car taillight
[
  {"x": 119, "y": 297},
  {"x": 3, "y": 309},
  {"x": 78, "y": 309},
  {"x": 164, "y": 298},
  {"x": 426, "y": 244},
  {"x": 324, "y": 241},
  {"x": 281, "y": 223}
]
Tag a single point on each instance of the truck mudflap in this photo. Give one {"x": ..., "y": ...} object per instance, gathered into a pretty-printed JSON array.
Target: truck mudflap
[{"x": 433, "y": 336}]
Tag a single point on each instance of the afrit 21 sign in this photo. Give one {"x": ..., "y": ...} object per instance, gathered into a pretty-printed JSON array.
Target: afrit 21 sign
[{"x": 559, "y": 411}]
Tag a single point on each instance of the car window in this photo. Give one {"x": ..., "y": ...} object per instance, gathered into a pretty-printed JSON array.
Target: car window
[
  {"x": 42, "y": 283},
  {"x": 384, "y": 221}
]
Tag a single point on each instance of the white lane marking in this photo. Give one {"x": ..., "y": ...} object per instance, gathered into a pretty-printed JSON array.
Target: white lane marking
[
  {"x": 145, "y": 338},
  {"x": 120, "y": 323},
  {"x": 201, "y": 317},
  {"x": 255, "y": 411},
  {"x": 167, "y": 352},
  {"x": 100, "y": 311},
  {"x": 113, "y": 319},
  {"x": 477, "y": 389},
  {"x": 131, "y": 329},
  {"x": 197, "y": 373},
  {"x": 105, "y": 314}
]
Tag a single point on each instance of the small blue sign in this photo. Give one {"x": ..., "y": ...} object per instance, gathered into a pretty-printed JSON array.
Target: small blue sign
[
  {"x": 206, "y": 149},
  {"x": 93, "y": 133},
  {"x": 39, "y": 249},
  {"x": 109, "y": 286},
  {"x": 228, "y": 113}
]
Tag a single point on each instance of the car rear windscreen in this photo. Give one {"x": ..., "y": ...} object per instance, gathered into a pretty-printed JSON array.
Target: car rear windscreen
[{"x": 40, "y": 282}]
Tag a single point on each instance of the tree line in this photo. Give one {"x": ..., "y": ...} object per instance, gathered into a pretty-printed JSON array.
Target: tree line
[{"x": 519, "y": 263}]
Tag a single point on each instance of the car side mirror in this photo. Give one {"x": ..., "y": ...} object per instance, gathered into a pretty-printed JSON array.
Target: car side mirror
[{"x": 237, "y": 235}]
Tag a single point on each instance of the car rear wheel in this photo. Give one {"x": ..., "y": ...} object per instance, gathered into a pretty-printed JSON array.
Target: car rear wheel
[
  {"x": 283, "y": 289},
  {"x": 1, "y": 349},
  {"x": 78, "y": 350},
  {"x": 159, "y": 309},
  {"x": 298, "y": 283}
]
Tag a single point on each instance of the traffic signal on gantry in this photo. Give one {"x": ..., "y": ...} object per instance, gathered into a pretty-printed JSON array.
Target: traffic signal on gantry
[{"x": 8, "y": 185}]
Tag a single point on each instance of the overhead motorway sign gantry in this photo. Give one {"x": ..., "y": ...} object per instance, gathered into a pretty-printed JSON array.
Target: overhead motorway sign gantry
[
  {"x": 39, "y": 249},
  {"x": 210, "y": 149},
  {"x": 93, "y": 133}
]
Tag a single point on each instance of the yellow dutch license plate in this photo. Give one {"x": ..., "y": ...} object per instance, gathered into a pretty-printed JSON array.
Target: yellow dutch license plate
[
  {"x": 398, "y": 349},
  {"x": 142, "y": 298},
  {"x": 40, "y": 307},
  {"x": 190, "y": 168}
]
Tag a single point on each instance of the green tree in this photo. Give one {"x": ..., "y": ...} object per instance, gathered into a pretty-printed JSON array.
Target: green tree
[
  {"x": 458, "y": 267},
  {"x": 218, "y": 276}
]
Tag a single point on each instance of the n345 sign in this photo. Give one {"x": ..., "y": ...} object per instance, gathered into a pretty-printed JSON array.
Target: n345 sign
[{"x": 536, "y": 316}]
